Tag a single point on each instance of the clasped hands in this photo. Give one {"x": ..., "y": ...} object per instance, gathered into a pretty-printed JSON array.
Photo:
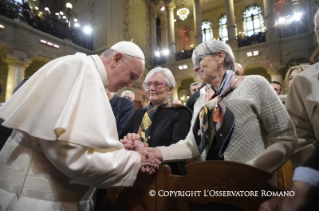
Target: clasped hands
[{"x": 151, "y": 158}]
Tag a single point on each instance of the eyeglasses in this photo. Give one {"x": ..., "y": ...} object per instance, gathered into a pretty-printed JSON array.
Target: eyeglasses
[
  {"x": 199, "y": 58},
  {"x": 156, "y": 84}
]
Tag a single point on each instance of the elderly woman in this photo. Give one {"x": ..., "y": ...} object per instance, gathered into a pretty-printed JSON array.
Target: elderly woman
[
  {"x": 236, "y": 118},
  {"x": 160, "y": 123},
  {"x": 293, "y": 71}
]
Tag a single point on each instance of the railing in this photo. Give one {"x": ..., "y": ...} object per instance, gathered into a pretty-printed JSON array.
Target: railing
[
  {"x": 45, "y": 23},
  {"x": 250, "y": 40}
]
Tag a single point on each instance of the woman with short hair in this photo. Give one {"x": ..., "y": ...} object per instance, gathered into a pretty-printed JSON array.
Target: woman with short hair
[
  {"x": 160, "y": 123},
  {"x": 238, "y": 118}
]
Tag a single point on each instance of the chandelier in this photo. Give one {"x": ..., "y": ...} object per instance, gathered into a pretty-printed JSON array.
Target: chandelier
[{"x": 182, "y": 13}]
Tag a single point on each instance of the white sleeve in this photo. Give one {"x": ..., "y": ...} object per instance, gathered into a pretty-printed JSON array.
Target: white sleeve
[{"x": 102, "y": 168}]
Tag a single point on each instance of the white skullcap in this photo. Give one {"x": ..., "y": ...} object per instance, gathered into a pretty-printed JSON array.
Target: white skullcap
[{"x": 129, "y": 48}]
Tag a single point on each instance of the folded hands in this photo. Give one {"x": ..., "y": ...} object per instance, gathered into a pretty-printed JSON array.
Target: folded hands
[{"x": 151, "y": 158}]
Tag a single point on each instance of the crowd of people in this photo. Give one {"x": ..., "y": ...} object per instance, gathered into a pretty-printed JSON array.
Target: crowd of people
[
  {"x": 244, "y": 40},
  {"x": 68, "y": 140},
  {"x": 47, "y": 22}
]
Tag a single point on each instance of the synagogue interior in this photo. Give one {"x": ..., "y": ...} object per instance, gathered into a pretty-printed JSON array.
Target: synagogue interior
[{"x": 267, "y": 37}]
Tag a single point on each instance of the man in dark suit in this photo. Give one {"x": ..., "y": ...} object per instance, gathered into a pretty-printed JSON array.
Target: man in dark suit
[
  {"x": 122, "y": 108},
  {"x": 194, "y": 89}
]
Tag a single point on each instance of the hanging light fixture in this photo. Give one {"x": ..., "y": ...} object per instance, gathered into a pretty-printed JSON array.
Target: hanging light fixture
[{"x": 183, "y": 12}]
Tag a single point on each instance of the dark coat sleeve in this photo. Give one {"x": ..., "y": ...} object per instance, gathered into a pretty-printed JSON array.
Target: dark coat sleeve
[
  {"x": 312, "y": 161},
  {"x": 133, "y": 123},
  {"x": 125, "y": 115}
]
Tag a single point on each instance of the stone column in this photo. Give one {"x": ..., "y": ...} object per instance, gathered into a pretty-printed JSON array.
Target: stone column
[
  {"x": 153, "y": 16},
  {"x": 197, "y": 22},
  {"x": 174, "y": 94},
  {"x": 270, "y": 20},
  {"x": 164, "y": 32},
  {"x": 16, "y": 70},
  {"x": 171, "y": 30},
  {"x": 231, "y": 25}
]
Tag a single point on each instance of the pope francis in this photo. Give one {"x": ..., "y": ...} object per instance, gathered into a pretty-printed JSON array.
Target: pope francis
[{"x": 65, "y": 142}]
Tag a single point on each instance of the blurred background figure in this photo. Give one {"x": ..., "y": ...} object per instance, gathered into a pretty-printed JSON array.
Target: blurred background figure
[
  {"x": 293, "y": 71},
  {"x": 276, "y": 86},
  {"x": 177, "y": 102},
  {"x": 160, "y": 123},
  {"x": 122, "y": 108},
  {"x": 194, "y": 89},
  {"x": 4, "y": 131},
  {"x": 128, "y": 95},
  {"x": 239, "y": 70}
]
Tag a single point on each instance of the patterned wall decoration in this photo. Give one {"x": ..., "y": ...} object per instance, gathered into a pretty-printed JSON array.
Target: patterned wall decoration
[{"x": 139, "y": 25}]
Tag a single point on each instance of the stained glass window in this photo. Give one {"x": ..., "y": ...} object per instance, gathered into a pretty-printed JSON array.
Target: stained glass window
[
  {"x": 253, "y": 20},
  {"x": 223, "y": 33},
  {"x": 207, "y": 31}
]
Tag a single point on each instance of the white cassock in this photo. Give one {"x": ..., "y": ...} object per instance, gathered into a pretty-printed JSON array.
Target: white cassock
[{"x": 65, "y": 142}]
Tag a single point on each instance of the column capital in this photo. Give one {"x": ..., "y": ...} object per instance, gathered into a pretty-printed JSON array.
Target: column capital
[
  {"x": 171, "y": 6},
  {"x": 14, "y": 60},
  {"x": 178, "y": 84}
]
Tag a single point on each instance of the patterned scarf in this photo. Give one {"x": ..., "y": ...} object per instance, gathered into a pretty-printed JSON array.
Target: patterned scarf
[
  {"x": 145, "y": 128},
  {"x": 223, "y": 118}
]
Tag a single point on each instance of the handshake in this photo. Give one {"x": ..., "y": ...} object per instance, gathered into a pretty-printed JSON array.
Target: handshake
[{"x": 151, "y": 158}]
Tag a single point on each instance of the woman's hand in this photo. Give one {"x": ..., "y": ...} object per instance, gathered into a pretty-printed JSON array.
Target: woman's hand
[
  {"x": 152, "y": 154},
  {"x": 150, "y": 159}
]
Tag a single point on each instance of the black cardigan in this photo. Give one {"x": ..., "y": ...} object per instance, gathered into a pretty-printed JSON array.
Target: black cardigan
[{"x": 169, "y": 127}]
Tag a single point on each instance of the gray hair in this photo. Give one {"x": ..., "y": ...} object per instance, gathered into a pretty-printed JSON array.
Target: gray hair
[
  {"x": 193, "y": 84},
  {"x": 315, "y": 17},
  {"x": 169, "y": 78},
  {"x": 129, "y": 92},
  {"x": 215, "y": 46}
]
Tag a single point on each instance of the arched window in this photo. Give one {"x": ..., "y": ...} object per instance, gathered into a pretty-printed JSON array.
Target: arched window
[
  {"x": 253, "y": 20},
  {"x": 223, "y": 33},
  {"x": 207, "y": 31}
]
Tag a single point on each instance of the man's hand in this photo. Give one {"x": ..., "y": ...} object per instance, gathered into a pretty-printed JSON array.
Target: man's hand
[
  {"x": 302, "y": 201},
  {"x": 132, "y": 141},
  {"x": 154, "y": 156}
]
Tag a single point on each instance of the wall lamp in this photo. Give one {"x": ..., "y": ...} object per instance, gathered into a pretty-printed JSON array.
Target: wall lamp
[
  {"x": 49, "y": 44},
  {"x": 183, "y": 67},
  {"x": 252, "y": 53}
]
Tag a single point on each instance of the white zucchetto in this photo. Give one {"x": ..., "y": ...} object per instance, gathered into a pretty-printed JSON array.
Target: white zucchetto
[{"x": 129, "y": 48}]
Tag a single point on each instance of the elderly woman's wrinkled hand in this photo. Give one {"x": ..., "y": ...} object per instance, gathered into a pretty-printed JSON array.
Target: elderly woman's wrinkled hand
[
  {"x": 132, "y": 141},
  {"x": 151, "y": 158}
]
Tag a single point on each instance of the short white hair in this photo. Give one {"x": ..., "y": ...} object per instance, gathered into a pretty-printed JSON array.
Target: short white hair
[
  {"x": 169, "y": 78},
  {"x": 128, "y": 92},
  {"x": 315, "y": 18},
  {"x": 215, "y": 46}
]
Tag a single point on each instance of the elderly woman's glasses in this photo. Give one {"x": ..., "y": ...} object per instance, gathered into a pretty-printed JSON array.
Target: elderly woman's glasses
[
  {"x": 156, "y": 84},
  {"x": 199, "y": 58}
]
